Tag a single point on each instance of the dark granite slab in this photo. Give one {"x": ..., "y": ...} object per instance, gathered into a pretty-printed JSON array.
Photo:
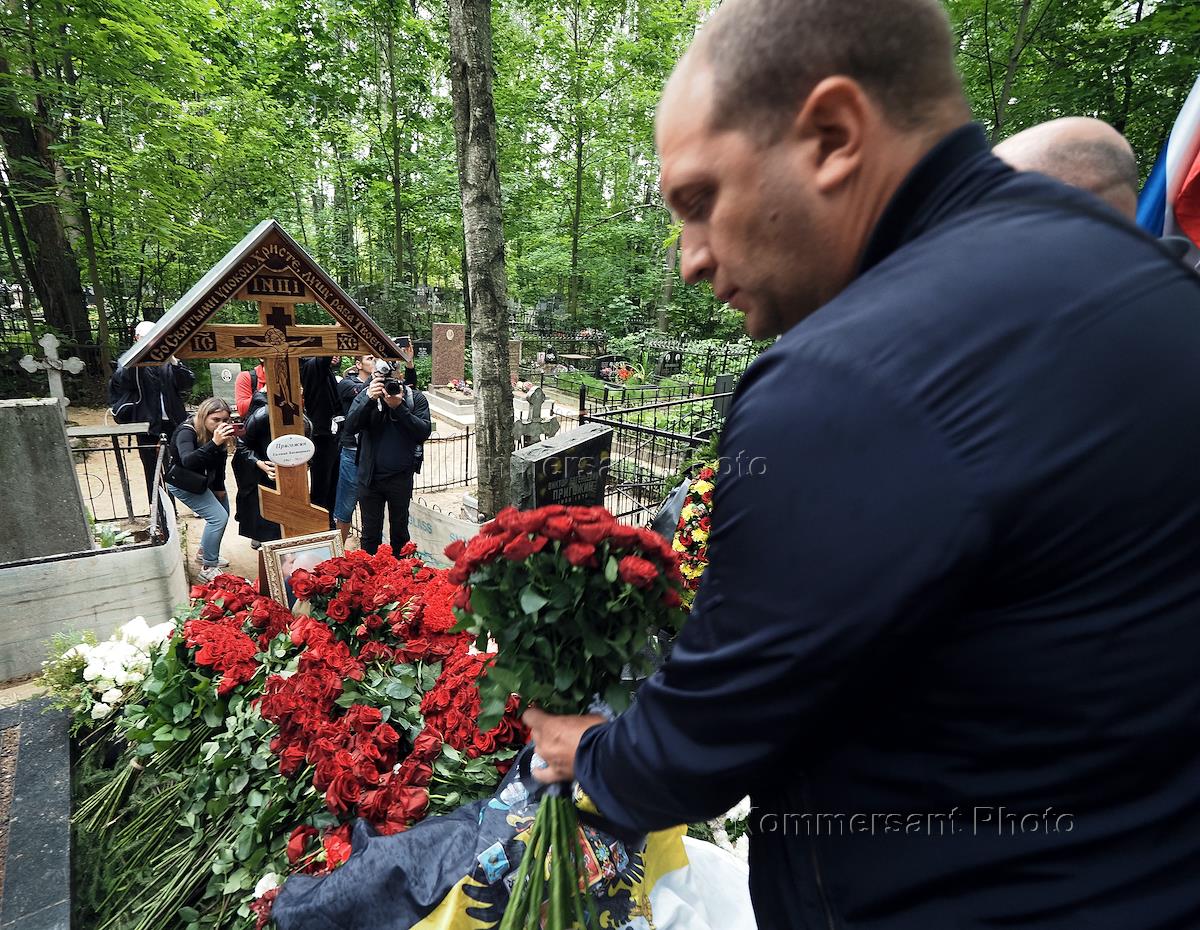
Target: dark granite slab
[{"x": 37, "y": 879}]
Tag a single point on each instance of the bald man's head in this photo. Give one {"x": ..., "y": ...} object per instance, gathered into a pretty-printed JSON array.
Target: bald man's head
[{"x": 1080, "y": 151}]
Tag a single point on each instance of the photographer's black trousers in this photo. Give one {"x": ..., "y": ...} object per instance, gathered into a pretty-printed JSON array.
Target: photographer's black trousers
[{"x": 396, "y": 492}]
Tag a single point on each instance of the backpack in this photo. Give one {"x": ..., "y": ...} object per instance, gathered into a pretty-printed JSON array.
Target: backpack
[{"x": 124, "y": 401}]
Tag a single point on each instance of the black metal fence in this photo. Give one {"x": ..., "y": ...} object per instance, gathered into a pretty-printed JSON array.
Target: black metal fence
[
  {"x": 450, "y": 462},
  {"x": 110, "y": 474},
  {"x": 652, "y": 445}
]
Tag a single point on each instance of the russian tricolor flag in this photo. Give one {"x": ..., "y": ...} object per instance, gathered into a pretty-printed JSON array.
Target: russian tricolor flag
[{"x": 1169, "y": 204}]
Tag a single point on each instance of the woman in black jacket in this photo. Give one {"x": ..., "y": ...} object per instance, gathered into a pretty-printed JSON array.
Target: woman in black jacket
[
  {"x": 199, "y": 448},
  {"x": 252, "y": 469}
]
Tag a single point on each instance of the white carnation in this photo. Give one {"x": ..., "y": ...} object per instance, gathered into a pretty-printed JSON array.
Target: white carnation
[
  {"x": 100, "y": 711},
  {"x": 268, "y": 882},
  {"x": 112, "y": 696}
]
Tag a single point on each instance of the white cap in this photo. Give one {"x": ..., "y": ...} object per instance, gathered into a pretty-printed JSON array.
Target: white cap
[{"x": 139, "y": 331}]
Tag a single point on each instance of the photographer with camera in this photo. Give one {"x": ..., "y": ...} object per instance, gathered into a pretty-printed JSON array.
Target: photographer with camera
[
  {"x": 392, "y": 421},
  {"x": 354, "y": 383}
]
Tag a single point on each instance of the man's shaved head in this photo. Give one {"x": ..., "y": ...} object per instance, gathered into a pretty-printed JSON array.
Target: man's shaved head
[
  {"x": 767, "y": 55},
  {"x": 1080, "y": 151}
]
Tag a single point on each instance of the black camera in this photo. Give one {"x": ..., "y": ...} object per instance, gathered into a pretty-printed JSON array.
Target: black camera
[{"x": 393, "y": 386}]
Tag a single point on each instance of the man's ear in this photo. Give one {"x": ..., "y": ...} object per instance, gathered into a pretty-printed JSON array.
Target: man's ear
[{"x": 834, "y": 121}]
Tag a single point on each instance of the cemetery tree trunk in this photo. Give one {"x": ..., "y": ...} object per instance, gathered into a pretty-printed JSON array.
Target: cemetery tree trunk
[
  {"x": 32, "y": 173},
  {"x": 479, "y": 186}
]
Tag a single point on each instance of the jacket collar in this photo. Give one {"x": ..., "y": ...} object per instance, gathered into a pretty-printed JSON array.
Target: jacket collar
[{"x": 952, "y": 176}]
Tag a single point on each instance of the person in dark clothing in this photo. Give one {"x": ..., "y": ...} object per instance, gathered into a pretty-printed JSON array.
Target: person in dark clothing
[
  {"x": 201, "y": 446},
  {"x": 153, "y": 395},
  {"x": 390, "y": 430},
  {"x": 349, "y": 387},
  {"x": 252, "y": 470},
  {"x": 947, "y": 637},
  {"x": 321, "y": 405}
]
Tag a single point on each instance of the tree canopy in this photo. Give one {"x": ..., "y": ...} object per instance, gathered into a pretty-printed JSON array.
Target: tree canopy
[{"x": 142, "y": 138}]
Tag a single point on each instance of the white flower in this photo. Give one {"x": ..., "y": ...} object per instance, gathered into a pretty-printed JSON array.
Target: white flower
[
  {"x": 740, "y": 812},
  {"x": 112, "y": 696},
  {"x": 268, "y": 882},
  {"x": 741, "y": 847},
  {"x": 100, "y": 711}
]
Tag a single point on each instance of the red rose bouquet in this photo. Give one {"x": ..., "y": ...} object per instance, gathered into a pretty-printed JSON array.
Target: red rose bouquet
[{"x": 573, "y": 600}]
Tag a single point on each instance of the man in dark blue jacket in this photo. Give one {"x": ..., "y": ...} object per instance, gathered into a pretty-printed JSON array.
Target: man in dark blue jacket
[
  {"x": 390, "y": 428},
  {"x": 948, "y": 636}
]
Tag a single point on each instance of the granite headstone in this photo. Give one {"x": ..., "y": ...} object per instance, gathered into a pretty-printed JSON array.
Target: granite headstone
[
  {"x": 449, "y": 355},
  {"x": 570, "y": 469}
]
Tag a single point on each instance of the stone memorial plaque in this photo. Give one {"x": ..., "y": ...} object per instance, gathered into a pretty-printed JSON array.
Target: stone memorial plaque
[
  {"x": 449, "y": 353},
  {"x": 569, "y": 469},
  {"x": 224, "y": 374}
]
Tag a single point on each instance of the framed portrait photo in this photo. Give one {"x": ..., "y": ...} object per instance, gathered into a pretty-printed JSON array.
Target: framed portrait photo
[{"x": 284, "y": 556}]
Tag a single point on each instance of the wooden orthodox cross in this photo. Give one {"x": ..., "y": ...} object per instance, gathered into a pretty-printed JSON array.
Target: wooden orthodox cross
[{"x": 270, "y": 269}]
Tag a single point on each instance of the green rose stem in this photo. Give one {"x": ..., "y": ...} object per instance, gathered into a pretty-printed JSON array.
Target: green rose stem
[{"x": 551, "y": 871}]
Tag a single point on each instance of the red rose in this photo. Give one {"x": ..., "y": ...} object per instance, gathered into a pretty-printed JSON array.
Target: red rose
[
  {"x": 427, "y": 745},
  {"x": 558, "y": 527},
  {"x": 337, "y": 610},
  {"x": 297, "y": 841},
  {"x": 530, "y": 521},
  {"x": 386, "y": 736},
  {"x": 337, "y": 846},
  {"x": 455, "y": 550},
  {"x": 291, "y": 760},
  {"x": 637, "y": 571},
  {"x": 592, "y": 532},
  {"x": 508, "y": 519},
  {"x": 579, "y": 553},
  {"x": 518, "y": 549},
  {"x": 410, "y": 803},
  {"x": 483, "y": 549},
  {"x": 326, "y": 583},
  {"x": 485, "y": 742},
  {"x": 671, "y": 598},
  {"x": 343, "y": 792},
  {"x": 624, "y": 536},
  {"x": 372, "y": 622},
  {"x": 458, "y": 575},
  {"x": 303, "y": 584},
  {"x": 365, "y": 717}
]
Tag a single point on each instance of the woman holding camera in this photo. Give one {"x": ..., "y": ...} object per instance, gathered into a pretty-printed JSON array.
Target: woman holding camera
[{"x": 199, "y": 450}]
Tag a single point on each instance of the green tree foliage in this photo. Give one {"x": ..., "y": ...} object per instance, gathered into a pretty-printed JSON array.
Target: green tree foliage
[{"x": 166, "y": 130}]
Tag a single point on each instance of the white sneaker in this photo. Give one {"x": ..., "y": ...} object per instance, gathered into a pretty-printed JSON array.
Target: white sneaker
[
  {"x": 209, "y": 574},
  {"x": 221, "y": 563}
]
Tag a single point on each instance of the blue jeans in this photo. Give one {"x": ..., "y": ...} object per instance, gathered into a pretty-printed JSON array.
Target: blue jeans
[
  {"x": 215, "y": 513},
  {"x": 347, "y": 487}
]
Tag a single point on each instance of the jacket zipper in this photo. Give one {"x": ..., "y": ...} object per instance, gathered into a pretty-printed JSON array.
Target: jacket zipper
[{"x": 816, "y": 861}]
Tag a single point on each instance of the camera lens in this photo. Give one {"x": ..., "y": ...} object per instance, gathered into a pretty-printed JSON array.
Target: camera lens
[{"x": 393, "y": 386}]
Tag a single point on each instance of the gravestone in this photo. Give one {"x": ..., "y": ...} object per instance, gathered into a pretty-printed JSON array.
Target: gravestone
[
  {"x": 449, "y": 353},
  {"x": 725, "y": 384},
  {"x": 422, "y": 348},
  {"x": 606, "y": 361},
  {"x": 670, "y": 363},
  {"x": 568, "y": 469},
  {"x": 514, "y": 360},
  {"x": 53, "y": 366},
  {"x": 47, "y": 516},
  {"x": 224, "y": 375}
]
